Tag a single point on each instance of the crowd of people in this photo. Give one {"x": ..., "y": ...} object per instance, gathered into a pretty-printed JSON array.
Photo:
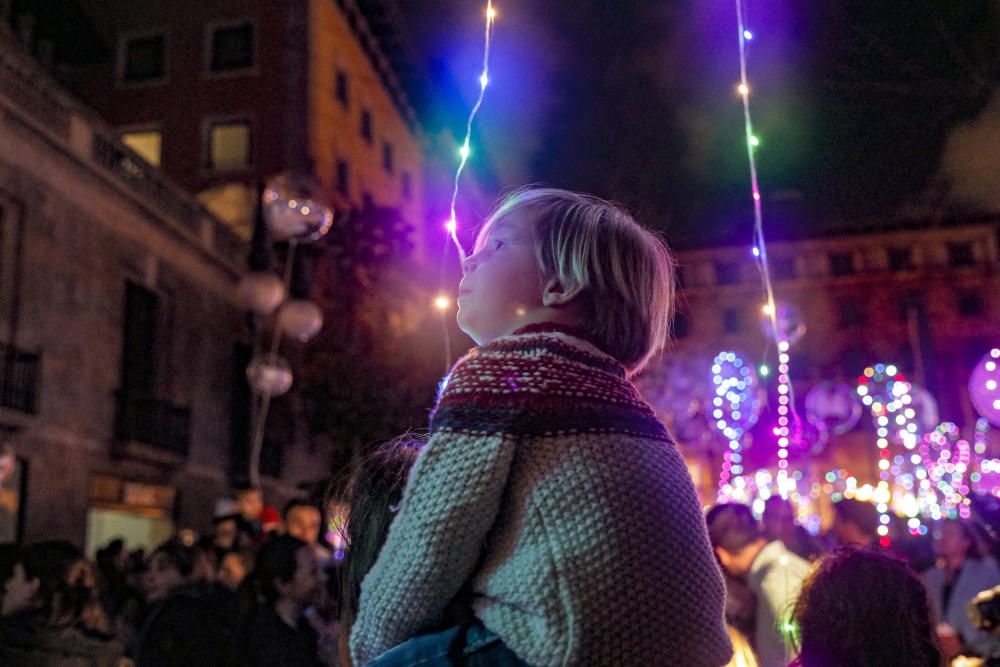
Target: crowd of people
[{"x": 548, "y": 520}]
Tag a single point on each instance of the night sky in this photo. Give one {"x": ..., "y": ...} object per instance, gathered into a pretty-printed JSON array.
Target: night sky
[{"x": 864, "y": 110}]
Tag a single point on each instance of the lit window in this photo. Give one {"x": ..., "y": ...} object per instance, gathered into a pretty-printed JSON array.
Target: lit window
[
  {"x": 147, "y": 144},
  {"x": 232, "y": 48},
  {"x": 229, "y": 145},
  {"x": 144, "y": 58}
]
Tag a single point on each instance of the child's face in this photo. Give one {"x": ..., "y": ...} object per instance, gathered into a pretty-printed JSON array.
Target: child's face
[{"x": 501, "y": 284}]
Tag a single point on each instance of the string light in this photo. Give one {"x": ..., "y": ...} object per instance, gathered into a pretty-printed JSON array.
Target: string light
[
  {"x": 452, "y": 224},
  {"x": 442, "y": 303},
  {"x": 734, "y": 410}
]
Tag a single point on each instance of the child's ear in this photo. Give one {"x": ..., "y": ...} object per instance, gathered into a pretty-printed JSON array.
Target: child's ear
[{"x": 556, "y": 293}]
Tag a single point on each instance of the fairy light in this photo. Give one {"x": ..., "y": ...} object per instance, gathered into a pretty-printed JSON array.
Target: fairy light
[
  {"x": 442, "y": 303},
  {"x": 789, "y": 422},
  {"x": 452, "y": 224},
  {"x": 734, "y": 410}
]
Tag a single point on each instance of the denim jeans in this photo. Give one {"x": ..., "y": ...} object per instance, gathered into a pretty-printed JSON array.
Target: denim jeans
[{"x": 463, "y": 645}]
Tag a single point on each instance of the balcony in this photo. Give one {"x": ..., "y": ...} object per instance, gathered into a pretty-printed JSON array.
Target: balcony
[
  {"x": 19, "y": 379},
  {"x": 152, "y": 429}
]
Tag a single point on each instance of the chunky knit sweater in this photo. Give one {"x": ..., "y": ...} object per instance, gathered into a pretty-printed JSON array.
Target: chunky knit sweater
[{"x": 551, "y": 491}]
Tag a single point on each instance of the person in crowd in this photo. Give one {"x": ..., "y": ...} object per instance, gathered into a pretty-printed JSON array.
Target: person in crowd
[
  {"x": 373, "y": 495},
  {"x": 189, "y": 621},
  {"x": 305, "y": 521},
  {"x": 773, "y": 573},
  {"x": 961, "y": 573},
  {"x": 234, "y": 568},
  {"x": 855, "y": 523},
  {"x": 277, "y": 633},
  {"x": 864, "y": 608},
  {"x": 226, "y": 534},
  {"x": 548, "y": 488},
  {"x": 52, "y": 614},
  {"x": 778, "y": 523},
  {"x": 257, "y": 519}
]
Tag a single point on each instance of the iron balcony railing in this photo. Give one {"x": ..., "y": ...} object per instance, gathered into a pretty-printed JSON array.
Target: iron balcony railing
[{"x": 152, "y": 421}]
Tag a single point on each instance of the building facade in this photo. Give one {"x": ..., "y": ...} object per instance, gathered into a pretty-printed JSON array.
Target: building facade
[
  {"x": 123, "y": 398},
  {"x": 223, "y": 93},
  {"x": 923, "y": 295}
]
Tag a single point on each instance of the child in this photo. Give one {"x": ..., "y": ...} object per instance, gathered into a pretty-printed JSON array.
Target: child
[{"x": 548, "y": 489}]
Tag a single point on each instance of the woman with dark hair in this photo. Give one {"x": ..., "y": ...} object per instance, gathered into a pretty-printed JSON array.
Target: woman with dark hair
[
  {"x": 961, "y": 573},
  {"x": 374, "y": 495},
  {"x": 864, "y": 608},
  {"x": 286, "y": 578},
  {"x": 52, "y": 614},
  {"x": 189, "y": 621}
]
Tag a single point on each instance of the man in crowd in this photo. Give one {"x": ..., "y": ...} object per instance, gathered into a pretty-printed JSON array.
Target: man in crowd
[
  {"x": 772, "y": 572},
  {"x": 855, "y": 523}
]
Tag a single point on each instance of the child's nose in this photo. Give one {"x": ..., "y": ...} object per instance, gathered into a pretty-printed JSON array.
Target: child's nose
[{"x": 469, "y": 264}]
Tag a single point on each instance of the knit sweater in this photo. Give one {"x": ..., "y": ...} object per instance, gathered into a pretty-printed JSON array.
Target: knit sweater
[{"x": 551, "y": 491}]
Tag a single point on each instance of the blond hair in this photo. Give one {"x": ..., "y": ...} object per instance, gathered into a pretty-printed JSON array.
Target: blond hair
[{"x": 625, "y": 272}]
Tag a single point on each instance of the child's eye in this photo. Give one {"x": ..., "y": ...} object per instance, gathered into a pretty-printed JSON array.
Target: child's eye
[{"x": 497, "y": 244}]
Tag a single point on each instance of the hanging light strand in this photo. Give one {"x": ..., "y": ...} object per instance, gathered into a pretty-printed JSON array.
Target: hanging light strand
[
  {"x": 789, "y": 423},
  {"x": 465, "y": 150}
]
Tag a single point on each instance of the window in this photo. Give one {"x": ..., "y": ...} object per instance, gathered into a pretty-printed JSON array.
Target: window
[
  {"x": 144, "y": 58},
  {"x": 727, "y": 273},
  {"x": 682, "y": 324},
  {"x": 732, "y": 320},
  {"x": 783, "y": 268},
  {"x": 851, "y": 314},
  {"x": 366, "y": 125},
  {"x": 970, "y": 304},
  {"x": 231, "y": 47},
  {"x": 841, "y": 263},
  {"x": 341, "y": 89},
  {"x": 960, "y": 254},
  {"x": 900, "y": 259},
  {"x": 343, "y": 178},
  {"x": 229, "y": 145},
  {"x": 146, "y": 143},
  {"x": 387, "y": 157},
  {"x": 407, "y": 186},
  {"x": 138, "y": 338}
]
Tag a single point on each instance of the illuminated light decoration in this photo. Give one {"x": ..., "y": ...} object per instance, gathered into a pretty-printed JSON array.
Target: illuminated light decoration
[
  {"x": 736, "y": 410},
  {"x": 947, "y": 459},
  {"x": 442, "y": 302},
  {"x": 984, "y": 387},
  {"x": 465, "y": 151},
  {"x": 743, "y": 89},
  {"x": 747, "y": 35},
  {"x": 902, "y": 414}
]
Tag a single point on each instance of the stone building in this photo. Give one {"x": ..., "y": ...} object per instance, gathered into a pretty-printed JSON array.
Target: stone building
[
  {"x": 122, "y": 349},
  {"x": 222, "y": 93},
  {"x": 921, "y": 294}
]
